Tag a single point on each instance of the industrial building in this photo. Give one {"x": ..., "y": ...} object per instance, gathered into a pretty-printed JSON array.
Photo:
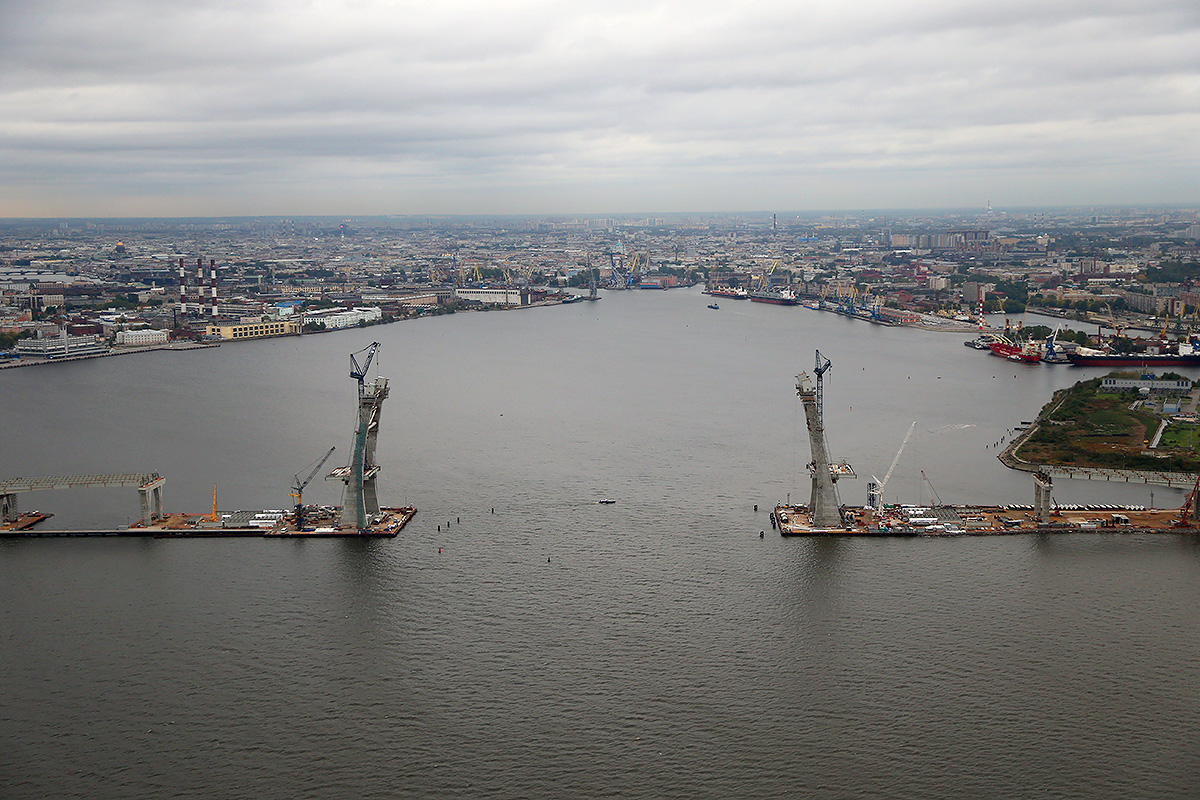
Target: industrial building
[
  {"x": 499, "y": 296},
  {"x": 251, "y": 330}
]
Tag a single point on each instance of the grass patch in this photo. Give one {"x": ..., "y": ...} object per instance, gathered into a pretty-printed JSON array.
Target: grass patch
[
  {"x": 1082, "y": 427},
  {"x": 1180, "y": 436}
]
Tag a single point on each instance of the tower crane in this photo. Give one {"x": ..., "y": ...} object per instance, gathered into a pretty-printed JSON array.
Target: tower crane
[
  {"x": 820, "y": 371},
  {"x": 875, "y": 495},
  {"x": 360, "y": 372},
  {"x": 298, "y": 487}
]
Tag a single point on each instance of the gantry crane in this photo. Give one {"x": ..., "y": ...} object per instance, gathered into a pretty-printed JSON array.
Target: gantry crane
[{"x": 298, "y": 486}]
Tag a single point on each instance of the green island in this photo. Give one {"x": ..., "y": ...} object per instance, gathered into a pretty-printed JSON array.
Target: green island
[{"x": 1112, "y": 422}]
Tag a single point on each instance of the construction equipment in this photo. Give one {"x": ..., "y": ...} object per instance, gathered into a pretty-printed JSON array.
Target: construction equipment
[
  {"x": 875, "y": 496},
  {"x": 764, "y": 283},
  {"x": 298, "y": 485},
  {"x": 820, "y": 371},
  {"x": 925, "y": 478},
  {"x": 1189, "y": 512},
  {"x": 359, "y": 372},
  {"x": 617, "y": 280}
]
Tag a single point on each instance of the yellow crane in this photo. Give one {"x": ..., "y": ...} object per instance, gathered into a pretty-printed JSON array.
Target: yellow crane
[{"x": 764, "y": 282}]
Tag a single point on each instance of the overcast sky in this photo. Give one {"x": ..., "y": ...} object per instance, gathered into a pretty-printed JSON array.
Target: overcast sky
[{"x": 223, "y": 107}]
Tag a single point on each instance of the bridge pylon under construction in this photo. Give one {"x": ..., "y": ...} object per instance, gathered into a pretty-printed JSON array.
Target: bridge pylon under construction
[
  {"x": 824, "y": 507},
  {"x": 360, "y": 502}
]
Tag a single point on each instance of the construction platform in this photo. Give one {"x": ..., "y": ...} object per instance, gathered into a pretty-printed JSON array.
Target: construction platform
[
  {"x": 793, "y": 520},
  {"x": 24, "y": 522},
  {"x": 320, "y": 523}
]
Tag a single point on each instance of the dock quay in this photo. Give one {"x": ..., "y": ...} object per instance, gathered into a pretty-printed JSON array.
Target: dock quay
[
  {"x": 322, "y": 524},
  {"x": 122, "y": 351},
  {"x": 937, "y": 521}
]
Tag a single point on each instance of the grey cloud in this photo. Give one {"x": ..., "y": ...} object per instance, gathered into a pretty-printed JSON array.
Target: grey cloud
[{"x": 696, "y": 99}]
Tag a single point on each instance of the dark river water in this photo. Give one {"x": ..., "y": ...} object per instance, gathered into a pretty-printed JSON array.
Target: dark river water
[{"x": 558, "y": 648}]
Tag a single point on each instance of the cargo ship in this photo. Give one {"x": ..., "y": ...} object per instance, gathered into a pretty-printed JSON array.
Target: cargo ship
[
  {"x": 778, "y": 296},
  {"x": 1029, "y": 352},
  {"x": 732, "y": 292},
  {"x": 1185, "y": 356}
]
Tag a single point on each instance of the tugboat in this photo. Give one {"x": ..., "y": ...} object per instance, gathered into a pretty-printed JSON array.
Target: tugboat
[
  {"x": 713, "y": 306},
  {"x": 984, "y": 342}
]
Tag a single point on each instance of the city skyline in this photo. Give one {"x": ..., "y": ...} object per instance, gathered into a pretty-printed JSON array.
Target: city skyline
[{"x": 203, "y": 109}]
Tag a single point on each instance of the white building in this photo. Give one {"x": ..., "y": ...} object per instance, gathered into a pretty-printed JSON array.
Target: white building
[
  {"x": 141, "y": 338},
  {"x": 342, "y": 318},
  {"x": 61, "y": 346}
]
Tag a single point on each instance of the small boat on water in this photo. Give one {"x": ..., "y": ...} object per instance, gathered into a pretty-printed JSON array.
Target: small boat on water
[
  {"x": 713, "y": 306},
  {"x": 607, "y": 502}
]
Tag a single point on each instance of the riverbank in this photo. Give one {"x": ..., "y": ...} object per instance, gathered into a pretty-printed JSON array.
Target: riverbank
[
  {"x": 124, "y": 351},
  {"x": 1008, "y": 456}
]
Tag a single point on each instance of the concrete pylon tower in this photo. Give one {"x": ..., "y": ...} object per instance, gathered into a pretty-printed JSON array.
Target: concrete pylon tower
[
  {"x": 823, "y": 503},
  {"x": 360, "y": 503},
  {"x": 1043, "y": 483}
]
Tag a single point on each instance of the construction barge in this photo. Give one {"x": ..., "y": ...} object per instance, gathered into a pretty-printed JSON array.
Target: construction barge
[
  {"x": 359, "y": 516},
  {"x": 825, "y": 515},
  {"x": 320, "y": 523},
  {"x": 937, "y": 521}
]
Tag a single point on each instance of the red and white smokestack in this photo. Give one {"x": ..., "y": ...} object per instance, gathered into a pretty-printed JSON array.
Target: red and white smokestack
[
  {"x": 212, "y": 285},
  {"x": 182, "y": 286},
  {"x": 981, "y": 315},
  {"x": 200, "y": 286}
]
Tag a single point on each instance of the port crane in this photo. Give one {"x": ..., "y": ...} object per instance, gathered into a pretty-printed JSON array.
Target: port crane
[
  {"x": 617, "y": 279},
  {"x": 298, "y": 486},
  {"x": 875, "y": 495},
  {"x": 764, "y": 283}
]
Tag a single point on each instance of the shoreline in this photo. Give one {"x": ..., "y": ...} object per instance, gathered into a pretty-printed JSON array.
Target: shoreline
[
  {"x": 1009, "y": 458},
  {"x": 191, "y": 345}
]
